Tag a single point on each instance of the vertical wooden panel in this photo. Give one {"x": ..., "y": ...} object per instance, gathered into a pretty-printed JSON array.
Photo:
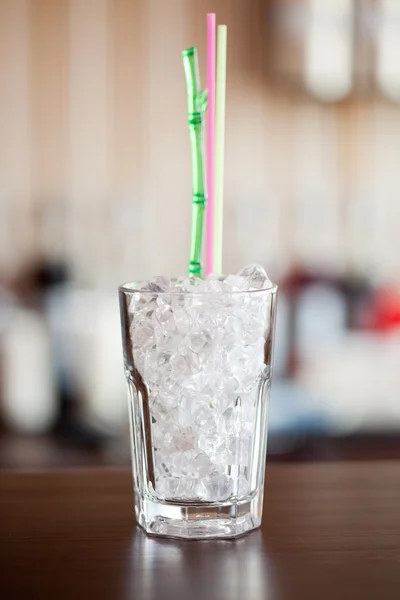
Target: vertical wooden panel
[
  {"x": 15, "y": 135},
  {"x": 49, "y": 121},
  {"x": 166, "y": 169},
  {"x": 90, "y": 96},
  {"x": 249, "y": 193},
  {"x": 126, "y": 202},
  {"x": 353, "y": 123},
  {"x": 128, "y": 81},
  {"x": 381, "y": 226},
  {"x": 315, "y": 221},
  {"x": 49, "y": 95}
]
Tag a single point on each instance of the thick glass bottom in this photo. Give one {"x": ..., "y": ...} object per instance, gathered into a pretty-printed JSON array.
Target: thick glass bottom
[{"x": 199, "y": 521}]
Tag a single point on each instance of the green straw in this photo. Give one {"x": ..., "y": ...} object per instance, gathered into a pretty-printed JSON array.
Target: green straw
[
  {"x": 197, "y": 105},
  {"x": 219, "y": 147}
]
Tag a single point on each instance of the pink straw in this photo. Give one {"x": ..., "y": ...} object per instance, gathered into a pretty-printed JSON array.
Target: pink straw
[{"x": 210, "y": 141}]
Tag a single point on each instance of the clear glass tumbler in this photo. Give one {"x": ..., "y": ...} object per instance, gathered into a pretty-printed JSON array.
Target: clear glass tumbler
[{"x": 198, "y": 367}]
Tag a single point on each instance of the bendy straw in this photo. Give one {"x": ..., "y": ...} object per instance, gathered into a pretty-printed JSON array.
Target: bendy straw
[{"x": 197, "y": 105}]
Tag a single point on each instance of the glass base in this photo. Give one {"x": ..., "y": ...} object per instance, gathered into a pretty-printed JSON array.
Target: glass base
[{"x": 199, "y": 521}]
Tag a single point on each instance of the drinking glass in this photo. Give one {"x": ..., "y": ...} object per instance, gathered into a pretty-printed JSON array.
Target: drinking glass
[{"x": 198, "y": 369}]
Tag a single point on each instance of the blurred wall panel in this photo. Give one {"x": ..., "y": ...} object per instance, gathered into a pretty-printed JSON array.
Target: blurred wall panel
[
  {"x": 90, "y": 96},
  {"x": 49, "y": 53},
  {"x": 16, "y": 241},
  {"x": 388, "y": 49},
  {"x": 129, "y": 70},
  {"x": 129, "y": 102},
  {"x": 362, "y": 234},
  {"x": 316, "y": 197},
  {"x": 328, "y": 60},
  {"x": 167, "y": 167},
  {"x": 385, "y": 183}
]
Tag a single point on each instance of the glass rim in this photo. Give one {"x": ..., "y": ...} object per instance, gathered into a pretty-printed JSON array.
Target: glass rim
[{"x": 128, "y": 288}]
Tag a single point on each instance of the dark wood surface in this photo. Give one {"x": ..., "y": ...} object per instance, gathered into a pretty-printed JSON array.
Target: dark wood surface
[
  {"x": 330, "y": 531},
  {"x": 71, "y": 448}
]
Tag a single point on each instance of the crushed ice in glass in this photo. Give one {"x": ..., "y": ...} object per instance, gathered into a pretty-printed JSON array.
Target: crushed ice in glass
[{"x": 199, "y": 347}]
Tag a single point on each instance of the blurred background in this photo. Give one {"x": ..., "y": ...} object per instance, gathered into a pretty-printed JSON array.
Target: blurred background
[{"x": 95, "y": 189}]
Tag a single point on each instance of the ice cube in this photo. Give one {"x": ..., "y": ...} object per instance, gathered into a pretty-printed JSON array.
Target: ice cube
[
  {"x": 141, "y": 307},
  {"x": 200, "y": 344},
  {"x": 197, "y": 341},
  {"x": 196, "y": 382},
  {"x": 243, "y": 486},
  {"x": 236, "y": 283},
  {"x": 182, "y": 320},
  {"x": 156, "y": 284},
  {"x": 168, "y": 341},
  {"x": 163, "y": 359},
  {"x": 246, "y": 361},
  {"x": 143, "y": 336},
  {"x": 192, "y": 463},
  {"x": 238, "y": 449},
  {"x": 233, "y": 327},
  {"x": 185, "y": 410},
  {"x": 167, "y": 487},
  {"x": 164, "y": 435},
  {"x": 215, "y": 286},
  {"x": 187, "y": 439},
  {"x": 188, "y": 488},
  {"x": 211, "y": 444},
  {"x": 230, "y": 421},
  {"x": 255, "y": 277},
  {"x": 205, "y": 418},
  {"x": 163, "y": 316},
  {"x": 161, "y": 404},
  {"x": 216, "y": 487},
  {"x": 188, "y": 284}
]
